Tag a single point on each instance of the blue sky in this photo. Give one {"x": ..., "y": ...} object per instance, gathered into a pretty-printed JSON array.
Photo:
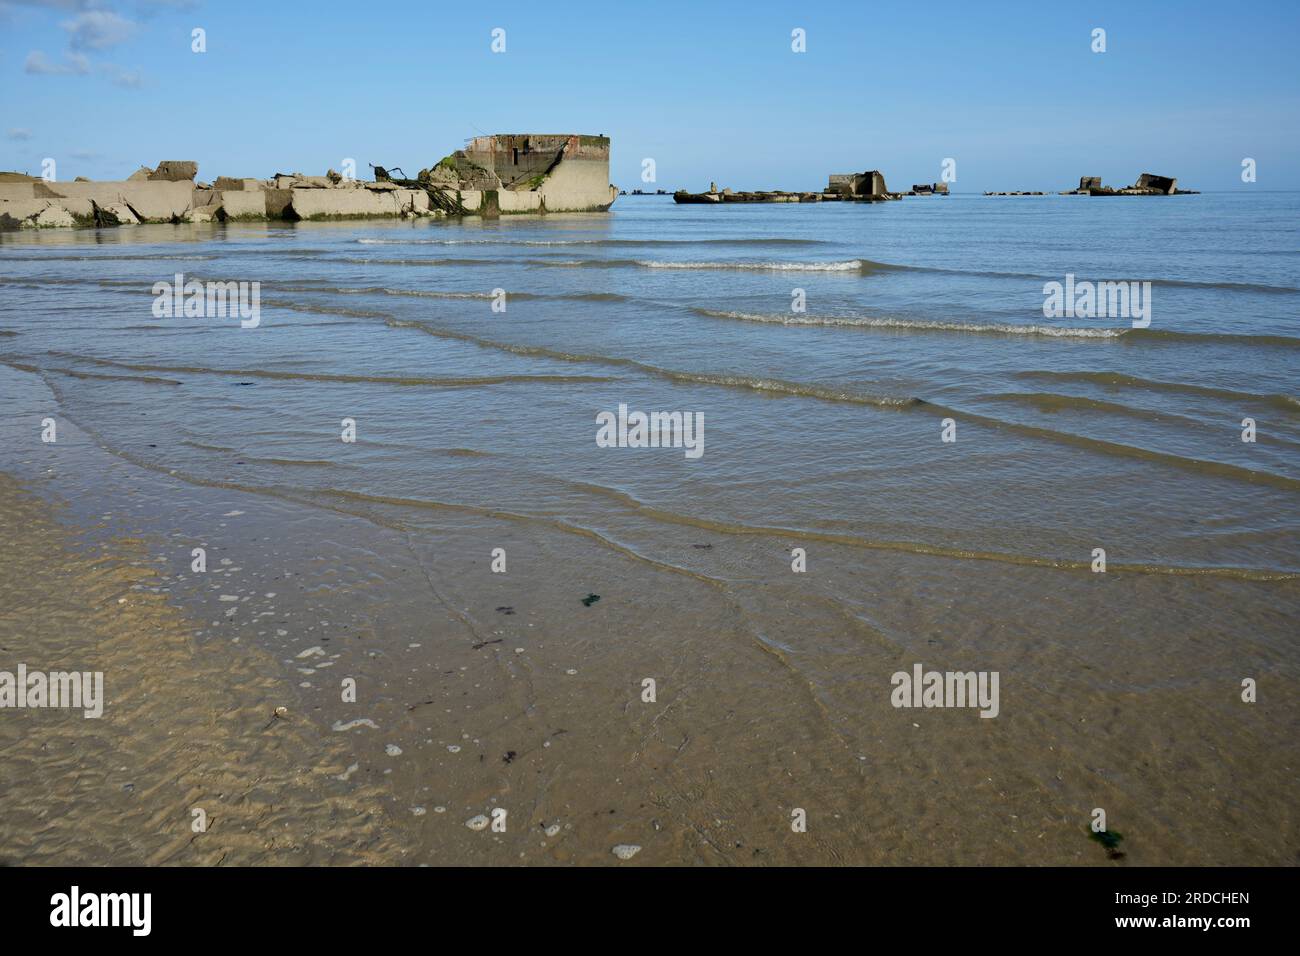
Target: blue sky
[{"x": 711, "y": 91}]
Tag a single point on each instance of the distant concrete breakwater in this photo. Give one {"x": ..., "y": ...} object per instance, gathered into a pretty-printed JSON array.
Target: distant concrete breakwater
[
  {"x": 492, "y": 176},
  {"x": 870, "y": 187},
  {"x": 841, "y": 187},
  {"x": 1148, "y": 184}
]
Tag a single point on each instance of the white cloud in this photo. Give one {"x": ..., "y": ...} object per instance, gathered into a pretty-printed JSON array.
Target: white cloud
[
  {"x": 98, "y": 30},
  {"x": 40, "y": 64},
  {"x": 128, "y": 79}
]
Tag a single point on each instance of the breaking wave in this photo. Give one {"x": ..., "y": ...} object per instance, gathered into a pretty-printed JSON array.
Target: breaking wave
[
  {"x": 756, "y": 241},
  {"x": 848, "y": 265},
  {"x": 1002, "y": 328},
  {"x": 918, "y": 325}
]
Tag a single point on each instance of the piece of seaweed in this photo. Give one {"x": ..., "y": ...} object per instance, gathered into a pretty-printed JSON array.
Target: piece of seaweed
[{"x": 1110, "y": 839}]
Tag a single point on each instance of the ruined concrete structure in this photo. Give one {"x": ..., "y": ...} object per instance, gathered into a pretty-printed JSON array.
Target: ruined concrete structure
[
  {"x": 860, "y": 187},
  {"x": 731, "y": 196},
  {"x": 1148, "y": 184},
  {"x": 493, "y": 175},
  {"x": 535, "y": 172},
  {"x": 841, "y": 187}
]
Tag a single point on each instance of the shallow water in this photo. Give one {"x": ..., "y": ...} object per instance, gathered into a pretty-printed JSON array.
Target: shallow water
[
  {"x": 1072, "y": 433},
  {"x": 822, "y": 430}
]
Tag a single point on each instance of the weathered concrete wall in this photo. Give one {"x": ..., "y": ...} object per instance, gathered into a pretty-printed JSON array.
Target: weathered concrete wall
[
  {"x": 551, "y": 173},
  {"x": 152, "y": 200},
  {"x": 1162, "y": 184},
  {"x": 45, "y": 213},
  {"x": 578, "y": 177},
  {"x": 517, "y": 158},
  {"x": 18, "y": 190},
  {"x": 525, "y": 200},
  {"x": 858, "y": 185},
  {"x": 355, "y": 203},
  {"x": 240, "y": 204},
  {"x": 578, "y": 185},
  {"x": 158, "y": 201}
]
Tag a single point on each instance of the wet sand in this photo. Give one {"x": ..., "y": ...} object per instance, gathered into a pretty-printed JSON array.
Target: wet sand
[
  {"x": 184, "y": 727},
  {"x": 479, "y": 691}
]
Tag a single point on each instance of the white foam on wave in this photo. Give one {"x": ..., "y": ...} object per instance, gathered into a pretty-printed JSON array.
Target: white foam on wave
[
  {"x": 923, "y": 325},
  {"x": 847, "y": 266},
  {"x": 481, "y": 242}
]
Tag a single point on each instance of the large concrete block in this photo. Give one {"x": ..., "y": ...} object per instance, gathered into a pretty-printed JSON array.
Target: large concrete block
[
  {"x": 1161, "y": 184},
  {"x": 226, "y": 183},
  {"x": 17, "y": 190},
  {"x": 241, "y": 204},
  {"x": 45, "y": 213},
  {"x": 175, "y": 170},
  {"x": 81, "y": 209},
  {"x": 277, "y": 202},
  {"x": 342, "y": 204},
  {"x": 153, "y": 201},
  {"x": 509, "y": 200},
  {"x": 117, "y": 215},
  {"x": 577, "y": 185},
  {"x": 14, "y": 212},
  {"x": 413, "y": 200},
  {"x": 54, "y": 215}
]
